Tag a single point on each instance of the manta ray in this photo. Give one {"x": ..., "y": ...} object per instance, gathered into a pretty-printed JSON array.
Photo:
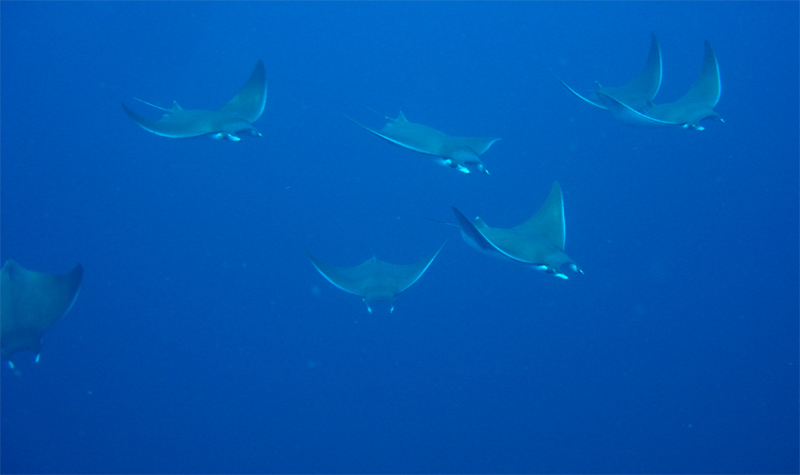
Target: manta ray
[
  {"x": 638, "y": 94},
  {"x": 237, "y": 116},
  {"x": 538, "y": 242},
  {"x": 31, "y": 304},
  {"x": 374, "y": 280},
  {"x": 454, "y": 152},
  {"x": 686, "y": 112}
]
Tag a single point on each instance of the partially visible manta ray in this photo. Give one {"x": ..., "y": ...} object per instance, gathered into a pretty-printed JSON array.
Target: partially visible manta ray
[
  {"x": 538, "y": 242},
  {"x": 453, "y": 152},
  {"x": 686, "y": 112},
  {"x": 638, "y": 94},
  {"x": 235, "y": 117},
  {"x": 374, "y": 280},
  {"x": 31, "y": 304}
]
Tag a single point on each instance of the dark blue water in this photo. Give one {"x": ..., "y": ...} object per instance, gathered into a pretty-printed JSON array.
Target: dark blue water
[{"x": 204, "y": 341}]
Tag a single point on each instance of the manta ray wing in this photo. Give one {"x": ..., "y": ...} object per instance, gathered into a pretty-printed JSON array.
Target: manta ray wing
[
  {"x": 708, "y": 88},
  {"x": 548, "y": 220},
  {"x": 404, "y": 276},
  {"x": 349, "y": 279},
  {"x": 642, "y": 89},
  {"x": 478, "y": 144},
  {"x": 249, "y": 103},
  {"x": 31, "y": 304}
]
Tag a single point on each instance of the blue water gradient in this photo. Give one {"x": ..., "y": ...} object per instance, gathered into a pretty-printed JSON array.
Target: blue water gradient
[{"x": 203, "y": 341}]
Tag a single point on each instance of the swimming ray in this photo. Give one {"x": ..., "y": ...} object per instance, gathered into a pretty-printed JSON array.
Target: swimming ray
[
  {"x": 538, "y": 242},
  {"x": 31, "y": 303},
  {"x": 688, "y": 111},
  {"x": 374, "y": 280},
  {"x": 459, "y": 153},
  {"x": 235, "y": 117}
]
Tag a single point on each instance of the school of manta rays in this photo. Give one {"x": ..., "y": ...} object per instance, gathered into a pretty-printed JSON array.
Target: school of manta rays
[{"x": 31, "y": 301}]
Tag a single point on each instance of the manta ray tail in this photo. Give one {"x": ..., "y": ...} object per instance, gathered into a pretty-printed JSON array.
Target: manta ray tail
[
  {"x": 378, "y": 113},
  {"x": 152, "y": 105},
  {"x": 441, "y": 222}
]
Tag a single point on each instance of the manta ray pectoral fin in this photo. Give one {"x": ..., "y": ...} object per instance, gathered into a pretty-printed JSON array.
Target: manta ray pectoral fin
[
  {"x": 479, "y": 145},
  {"x": 251, "y": 99},
  {"x": 648, "y": 82},
  {"x": 707, "y": 88}
]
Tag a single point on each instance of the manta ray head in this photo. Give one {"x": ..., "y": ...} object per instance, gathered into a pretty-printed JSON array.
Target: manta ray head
[
  {"x": 556, "y": 271},
  {"x": 379, "y": 296},
  {"x": 229, "y": 128},
  {"x": 462, "y": 157},
  {"x": 701, "y": 116}
]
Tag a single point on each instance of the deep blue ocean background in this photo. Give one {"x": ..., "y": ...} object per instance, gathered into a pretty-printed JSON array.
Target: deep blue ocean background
[{"x": 203, "y": 340}]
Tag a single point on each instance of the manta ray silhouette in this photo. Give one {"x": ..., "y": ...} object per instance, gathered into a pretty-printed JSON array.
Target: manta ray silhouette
[
  {"x": 235, "y": 117},
  {"x": 538, "y": 242},
  {"x": 455, "y": 152},
  {"x": 30, "y": 304},
  {"x": 374, "y": 280}
]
